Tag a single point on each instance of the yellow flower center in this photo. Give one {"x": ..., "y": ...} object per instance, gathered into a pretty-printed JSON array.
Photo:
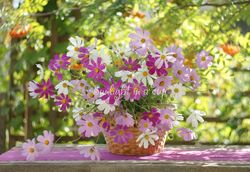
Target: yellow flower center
[
  {"x": 143, "y": 40},
  {"x": 82, "y": 85},
  {"x": 162, "y": 83},
  {"x": 46, "y": 142},
  {"x": 166, "y": 116},
  {"x": 146, "y": 137},
  {"x": 145, "y": 73},
  {"x": 179, "y": 72},
  {"x": 129, "y": 75},
  {"x": 175, "y": 55},
  {"x": 89, "y": 124},
  {"x": 76, "y": 48},
  {"x": 65, "y": 85},
  {"x": 91, "y": 150},
  {"x": 97, "y": 70},
  {"x": 64, "y": 101},
  {"x": 163, "y": 57},
  {"x": 150, "y": 115},
  {"x": 203, "y": 58},
  {"x": 176, "y": 90},
  {"x": 191, "y": 78},
  {"x": 130, "y": 66},
  {"x": 31, "y": 150},
  {"x": 44, "y": 88},
  {"x": 91, "y": 95},
  {"x": 146, "y": 125},
  {"x": 86, "y": 56},
  {"x": 112, "y": 90},
  {"x": 121, "y": 132}
]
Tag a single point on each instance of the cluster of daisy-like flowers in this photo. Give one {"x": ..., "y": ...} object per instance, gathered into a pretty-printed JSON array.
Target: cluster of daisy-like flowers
[
  {"x": 105, "y": 79},
  {"x": 31, "y": 150}
]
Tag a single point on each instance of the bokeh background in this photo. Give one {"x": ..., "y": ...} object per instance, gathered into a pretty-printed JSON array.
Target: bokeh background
[{"x": 32, "y": 31}]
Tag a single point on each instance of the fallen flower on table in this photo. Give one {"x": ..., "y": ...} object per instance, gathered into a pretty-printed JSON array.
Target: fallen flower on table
[
  {"x": 91, "y": 152},
  {"x": 45, "y": 141},
  {"x": 30, "y": 150}
]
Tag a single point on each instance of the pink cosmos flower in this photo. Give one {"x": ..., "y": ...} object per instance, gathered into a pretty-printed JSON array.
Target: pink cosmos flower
[
  {"x": 134, "y": 91},
  {"x": 45, "y": 89},
  {"x": 130, "y": 64},
  {"x": 167, "y": 117},
  {"x": 111, "y": 90},
  {"x": 177, "y": 52},
  {"x": 164, "y": 58},
  {"x": 162, "y": 83},
  {"x": 121, "y": 134},
  {"x": 96, "y": 69},
  {"x": 30, "y": 150},
  {"x": 145, "y": 125},
  {"x": 153, "y": 116},
  {"x": 186, "y": 134},
  {"x": 91, "y": 95},
  {"x": 88, "y": 126},
  {"x": 45, "y": 141},
  {"x": 181, "y": 72},
  {"x": 84, "y": 55},
  {"x": 194, "y": 78},
  {"x": 79, "y": 85},
  {"x": 204, "y": 60},
  {"x": 140, "y": 41},
  {"x": 102, "y": 121},
  {"x": 152, "y": 68},
  {"x": 63, "y": 101},
  {"x": 124, "y": 119}
]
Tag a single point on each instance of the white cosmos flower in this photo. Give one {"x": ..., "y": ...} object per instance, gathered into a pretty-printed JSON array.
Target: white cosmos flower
[
  {"x": 143, "y": 75},
  {"x": 40, "y": 71},
  {"x": 125, "y": 75},
  {"x": 195, "y": 117},
  {"x": 91, "y": 152},
  {"x": 164, "y": 58},
  {"x": 177, "y": 91},
  {"x": 177, "y": 117},
  {"x": 94, "y": 54},
  {"x": 77, "y": 113},
  {"x": 146, "y": 138},
  {"x": 122, "y": 50},
  {"x": 105, "y": 106},
  {"x": 73, "y": 48},
  {"x": 32, "y": 87},
  {"x": 63, "y": 87}
]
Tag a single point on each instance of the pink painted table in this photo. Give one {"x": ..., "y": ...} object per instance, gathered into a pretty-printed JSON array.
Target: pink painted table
[{"x": 178, "y": 158}]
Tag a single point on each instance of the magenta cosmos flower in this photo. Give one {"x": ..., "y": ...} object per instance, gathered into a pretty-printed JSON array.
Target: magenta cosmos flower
[
  {"x": 58, "y": 63},
  {"x": 45, "y": 141},
  {"x": 145, "y": 125},
  {"x": 134, "y": 91},
  {"x": 140, "y": 41},
  {"x": 167, "y": 119},
  {"x": 153, "y": 69},
  {"x": 84, "y": 55},
  {"x": 186, "y": 134},
  {"x": 162, "y": 83},
  {"x": 204, "y": 60},
  {"x": 111, "y": 90},
  {"x": 121, "y": 134},
  {"x": 153, "y": 116},
  {"x": 63, "y": 101},
  {"x": 102, "y": 121},
  {"x": 181, "y": 72},
  {"x": 89, "y": 126},
  {"x": 177, "y": 52},
  {"x": 130, "y": 64},
  {"x": 124, "y": 119},
  {"x": 96, "y": 69},
  {"x": 45, "y": 89}
]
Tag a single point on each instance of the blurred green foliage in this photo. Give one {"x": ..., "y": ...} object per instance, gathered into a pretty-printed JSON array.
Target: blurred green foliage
[{"x": 189, "y": 24}]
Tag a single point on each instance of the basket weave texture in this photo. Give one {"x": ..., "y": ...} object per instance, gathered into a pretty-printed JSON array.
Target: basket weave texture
[{"x": 132, "y": 147}]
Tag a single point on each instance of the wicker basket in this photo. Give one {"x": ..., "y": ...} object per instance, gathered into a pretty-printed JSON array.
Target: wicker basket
[{"x": 132, "y": 148}]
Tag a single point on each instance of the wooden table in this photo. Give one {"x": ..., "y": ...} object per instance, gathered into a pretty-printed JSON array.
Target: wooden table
[{"x": 172, "y": 159}]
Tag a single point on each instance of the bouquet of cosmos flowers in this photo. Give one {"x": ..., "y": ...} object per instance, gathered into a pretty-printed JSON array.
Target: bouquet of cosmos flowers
[{"x": 112, "y": 90}]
